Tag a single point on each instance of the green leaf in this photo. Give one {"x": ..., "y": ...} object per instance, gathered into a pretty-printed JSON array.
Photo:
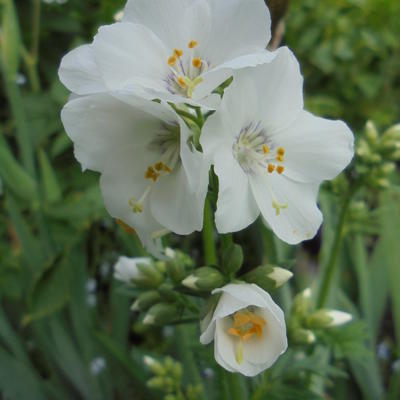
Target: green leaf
[{"x": 51, "y": 188}]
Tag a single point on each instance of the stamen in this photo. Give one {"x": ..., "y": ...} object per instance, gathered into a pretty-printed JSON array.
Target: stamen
[
  {"x": 281, "y": 151},
  {"x": 192, "y": 44},
  {"x": 196, "y": 62},
  {"x": 271, "y": 168},
  {"x": 172, "y": 61},
  {"x": 280, "y": 158},
  {"x": 280, "y": 169},
  {"x": 182, "y": 82},
  {"x": 178, "y": 53},
  {"x": 266, "y": 149}
]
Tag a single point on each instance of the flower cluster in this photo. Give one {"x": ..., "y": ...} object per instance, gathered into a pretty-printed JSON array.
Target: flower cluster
[{"x": 146, "y": 112}]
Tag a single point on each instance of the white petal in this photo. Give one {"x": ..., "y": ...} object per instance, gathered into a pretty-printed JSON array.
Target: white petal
[
  {"x": 130, "y": 54},
  {"x": 104, "y": 129},
  {"x": 316, "y": 148},
  {"x": 278, "y": 90},
  {"x": 238, "y": 28},
  {"x": 236, "y": 206},
  {"x": 175, "y": 206},
  {"x": 79, "y": 71},
  {"x": 175, "y": 22},
  {"x": 301, "y": 219},
  {"x": 265, "y": 351},
  {"x": 339, "y": 317}
]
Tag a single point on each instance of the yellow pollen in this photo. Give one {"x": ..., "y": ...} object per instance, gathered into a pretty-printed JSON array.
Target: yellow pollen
[
  {"x": 246, "y": 324},
  {"x": 280, "y": 158},
  {"x": 265, "y": 149},
  {"x": 192, "y": 44},
  {"x": 281, "y": 151},
  {"x": 178, "y": 53},
  {"x": 159, "y": 166},
  {"x": 151, "y": 174},
  {"x": 271, "y": 168},
  {"x": 167, "y": 169},
  {"x": 138, "y": 208},
  {"x": 181, "y": 82},
  {"x": 280, "y": 169},
  {"x": 172, "y": 61},
  {"x": 196, "y": 62}
]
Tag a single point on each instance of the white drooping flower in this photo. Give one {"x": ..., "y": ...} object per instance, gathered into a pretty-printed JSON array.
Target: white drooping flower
[
  {"x": 247, "y": 327},
  {"x": 270, "y": 154},
  {"x": 152, "y": 177},
  {"x": 126, "y": 269},
  {"x": 175, "y": 50}
]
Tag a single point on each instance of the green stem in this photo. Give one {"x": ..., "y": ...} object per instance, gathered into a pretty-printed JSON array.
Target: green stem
[
  {"x": 210, "y": 251},
  {"x": 329, "y": 271}
]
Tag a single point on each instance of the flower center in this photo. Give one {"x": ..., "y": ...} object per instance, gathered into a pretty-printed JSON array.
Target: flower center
[
  {"x": 167, "y": 143},
  {"x": 257, "y": 154},
  {"x": 185, "y": 70},
  {"x": 246, "y": 324}
]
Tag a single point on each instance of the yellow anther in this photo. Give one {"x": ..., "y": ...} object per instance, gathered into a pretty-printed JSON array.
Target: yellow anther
[
  {"x": 178, "y": 53},
  {"x": 181, "y": 82},
  {"x": 246, "y": 324},
  {"x": 271, "y": 168},
  {"x": 266, "y": 149},
  {"x": 281, "y": 151},
  {"x": 196, "y": 62},
  {"x": 280, "y": 158},
  {"x": 172, "y": 61},
  {"x": 159, "y": 166},
  {"x": 167, "y": 169},
  {"x": 280, "y": 169},
  {"x": 192, "y": 44},
  {"x": 151, "y": 174}
]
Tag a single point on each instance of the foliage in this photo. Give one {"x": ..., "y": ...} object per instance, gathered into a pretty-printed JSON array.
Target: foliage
[{"x": 65, "y": 326}]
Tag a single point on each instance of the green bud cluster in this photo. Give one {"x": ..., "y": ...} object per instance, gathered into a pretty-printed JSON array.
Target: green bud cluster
[
  {"x": 376, "y": 155},
  {"x": 305, "y": 319},
  {"x": 168, "y": 379}
]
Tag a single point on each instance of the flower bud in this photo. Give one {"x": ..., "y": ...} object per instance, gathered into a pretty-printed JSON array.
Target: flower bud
[
  {"x": 302, "y": 302},
  {"x": 392, "y": 134},
  {"x": 177, "y": 263},
  {"x": 327, "y": 318},
  {"x": 155, "y": 366},
  {"x": 204, "y": 278},
  {"x": 371, "y": 133},
  {"x": 303, "y": 336},
  {"x": 232, "y": 259},
  {"x": 387, "y": 168},
  {"x": 158, "y": 382},
  {"x": 138, "y": 271},
  {"x": 146, "y": 300},
  {"x": 268, "y": 277},
  {"x": 168, "y": 293},
  {"x": 162, "y": 314}
]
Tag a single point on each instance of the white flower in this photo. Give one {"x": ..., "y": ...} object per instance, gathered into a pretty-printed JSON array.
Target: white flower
[
  {"x": 175, "y": 50},
  {"x": 152, "y": 178},
  {"x": 269, "y": 154},
  {"x": 247, "y": 327},
  {"x": 126, "y": 269}
]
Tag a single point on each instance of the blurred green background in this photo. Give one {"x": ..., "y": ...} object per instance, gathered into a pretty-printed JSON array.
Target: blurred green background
[{"x": 66, "y": 331}]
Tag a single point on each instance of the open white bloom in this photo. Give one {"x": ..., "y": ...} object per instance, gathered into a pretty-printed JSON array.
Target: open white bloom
[
  {"x": 152, "y": 177},
  {"x": 175, "y": 50},
  {"x": 247, "y": 327},
  {"x": 126, "y": 269},
  {"x": 271, "y": 155}
]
